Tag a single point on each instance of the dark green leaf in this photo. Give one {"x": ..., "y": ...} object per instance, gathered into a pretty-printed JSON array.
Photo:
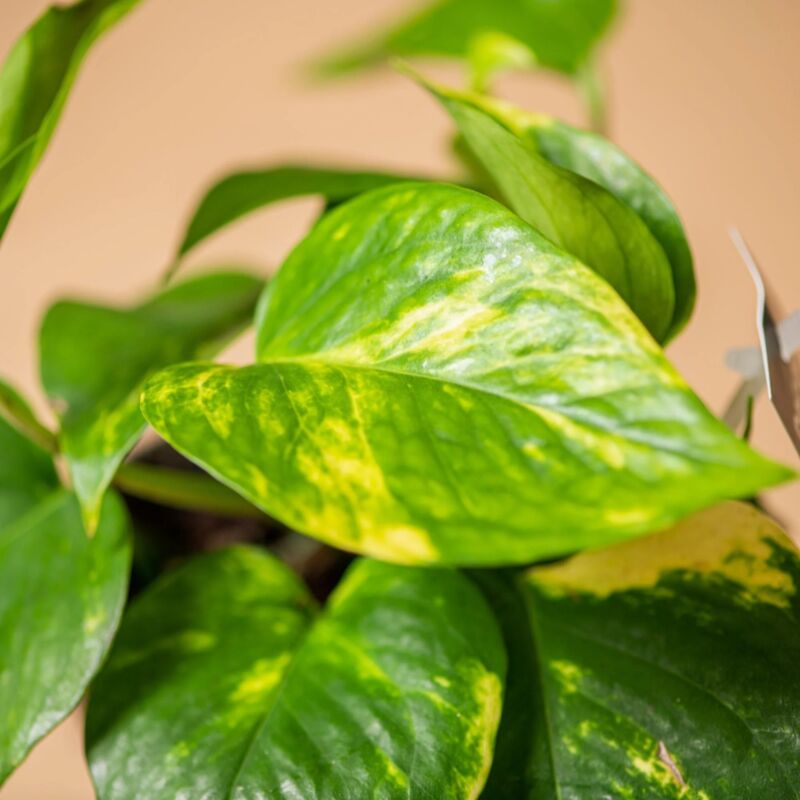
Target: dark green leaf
[
  {"x": 222, "y": 684},
  {"x": 662, "y": 668},
  {"x": 560, "y": 33},
  {"x": 61, "y": 597},
  {"x": 439, "y": 383},
  {"x": 239, "y": 194},
  {"x": 579, "y": 215},
  {"x": 35, "y": 80},
  {"x": 94, "y": 360}
]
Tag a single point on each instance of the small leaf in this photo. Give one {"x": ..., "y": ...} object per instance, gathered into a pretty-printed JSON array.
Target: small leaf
[
  {"x": 560, "y": 33},
  {"x": 35, "y": 80},
  {"x": 439, "y": 383},
  {"x": 223, "y": 684},
  {"x": 95, "y": 359},
  {"x": 577, "y": 214},
  {"x": 238, "y": 194},
  {"x": 61, "y": 599},
  {"x": 602, "y": 162},
  {"x": 661, "y": 668}
]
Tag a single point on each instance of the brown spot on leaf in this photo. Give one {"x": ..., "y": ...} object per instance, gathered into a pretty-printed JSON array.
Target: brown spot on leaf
[{"x": 665, "y": 758}]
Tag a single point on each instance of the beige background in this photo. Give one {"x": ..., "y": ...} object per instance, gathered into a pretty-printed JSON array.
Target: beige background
[{"x": 704, "y": 93}]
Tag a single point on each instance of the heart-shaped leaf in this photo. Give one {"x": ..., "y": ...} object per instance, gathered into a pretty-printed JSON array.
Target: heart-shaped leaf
[
  {"x": 601, "y": 227},
  {"x": 35, "y": 80},
  {"x": 61, "y": 597},
  {"x": 440, "y": 383},
  {"x": 95, "y": 359},
  {"x": 560, "y": 34},
  {"x": 223, "y": 684},
  {"x": 238, "y": 194},
  {"x": 661, "y": 668}
]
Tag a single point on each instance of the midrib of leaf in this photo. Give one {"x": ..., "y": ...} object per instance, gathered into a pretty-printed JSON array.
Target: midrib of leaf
[
  {"x": 752, "y": 732},
  {"x": 41, "y": 510},
  {"x": 536, "y": 640},
  {"x": 344, "y": 365},
  {"x": 261, "y": 726}
]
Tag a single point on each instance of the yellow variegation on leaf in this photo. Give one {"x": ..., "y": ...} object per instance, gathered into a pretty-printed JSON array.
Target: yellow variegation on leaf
[{"x": 436, "y": 382}]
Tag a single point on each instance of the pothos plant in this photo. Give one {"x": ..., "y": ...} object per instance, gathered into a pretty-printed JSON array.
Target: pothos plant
[{"x": 460, "y": 386}]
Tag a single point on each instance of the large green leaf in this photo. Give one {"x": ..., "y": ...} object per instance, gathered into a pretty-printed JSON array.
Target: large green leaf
[
  {"x": 223, "y": 684},
  {"x": 238, "y": 194},
  {"x": 94, "y": 360},
  {"x": 580, "y": 215},
  {"x": 661, "y": 668},
  {"x": 438, "y": 382},
  {"x": 560, "y": 34},
  {"x": 35, "y": 80},
  {"x": 61, "y": 595}
]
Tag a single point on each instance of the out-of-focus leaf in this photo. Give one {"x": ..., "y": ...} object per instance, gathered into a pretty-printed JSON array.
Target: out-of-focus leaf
[
  {"x": 18, "y": 413},
  {"x": 601, "y": 228},
  {"x": 491, "y": 53},
  {"x": 222, "y": 683},
  {"x": 94, "y": 360},
  {"x": 661, "y": 668},
  {"x": 35, "y": 80},
  {"x": 439, "y": 383},
  {"x": 243, "y": 192},
  {"x": 560, "y": 33},
  {"x": 61, "y": 595}
]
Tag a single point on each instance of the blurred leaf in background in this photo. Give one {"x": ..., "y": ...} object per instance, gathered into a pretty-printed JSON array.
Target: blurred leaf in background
[
  {"x": 560, "y": 34},
  {"x": 36, "y": 79}
]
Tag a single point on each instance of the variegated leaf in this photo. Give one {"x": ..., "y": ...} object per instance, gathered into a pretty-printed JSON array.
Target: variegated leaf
[
  {"x": 661, "y": 668},
  {"x": 224, "y": 683},
  {"x": 95, "y": 359},
  {"x": 438, "y": 383}
]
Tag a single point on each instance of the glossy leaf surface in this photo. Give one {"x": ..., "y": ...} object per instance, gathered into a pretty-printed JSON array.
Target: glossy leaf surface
[
  {"x": 35, "y": 80},
  {"x": 61, "y": 598},
  {"x": 577, "y": 214},
  {"x": 224, "y": 684},
  {"x": 439, "y": 383},
  {"x": 94, "y": 360},
  {"x": 560, "y": 33},
  {"x": 661, "y": 668},
  {"x": 236, "y": 195}
]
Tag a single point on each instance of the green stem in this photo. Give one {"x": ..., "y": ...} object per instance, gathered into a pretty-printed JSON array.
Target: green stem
[
  {"x": 594, "y": 95},
  {"x": 193, "y": 491},
  {"x": 18, "y": 413}
]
